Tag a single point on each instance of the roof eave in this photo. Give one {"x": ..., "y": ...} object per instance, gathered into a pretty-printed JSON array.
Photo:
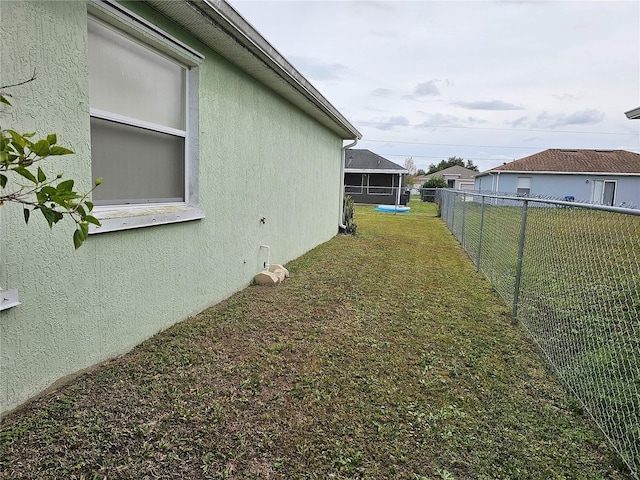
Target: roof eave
[
  {"x": 551, "y": 172},
  {"x": 219, "y": 26},
  {"x": 376, "y": 170},
  {"x": 633, "y": 114}
]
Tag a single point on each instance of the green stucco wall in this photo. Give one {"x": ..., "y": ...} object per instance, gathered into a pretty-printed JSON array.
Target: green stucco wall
[{"x": 259, "y": 157}]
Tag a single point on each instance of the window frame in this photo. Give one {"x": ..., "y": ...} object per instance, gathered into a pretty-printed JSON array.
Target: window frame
[
  {"x": 601, "y": 195},
  {"x": 127, "y": 216},
  {"x": 523, "y": 191}
]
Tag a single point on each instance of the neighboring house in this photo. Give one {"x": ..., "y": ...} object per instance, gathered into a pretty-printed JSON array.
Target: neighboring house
[
  {"x": 420, "y": 180},
  {"x": 210, "y": 145},
  {"x": 606, "y": 177},
  {"x": 456, "y": 176},
  {"x": 370, "y": 178}
]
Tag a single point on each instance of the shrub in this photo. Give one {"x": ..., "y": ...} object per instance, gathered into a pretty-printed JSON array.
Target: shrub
[
  {"x": 347, "y": 216},
  {"x": 434, "y": 182}
]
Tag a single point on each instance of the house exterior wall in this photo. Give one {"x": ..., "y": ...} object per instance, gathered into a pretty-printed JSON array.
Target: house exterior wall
[
  {"x": 580, "y": 186},
  {"x": 259, "y": 156}
]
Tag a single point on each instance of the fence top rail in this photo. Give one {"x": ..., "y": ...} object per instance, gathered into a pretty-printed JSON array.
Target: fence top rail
[{"x": 564, "y": 203}]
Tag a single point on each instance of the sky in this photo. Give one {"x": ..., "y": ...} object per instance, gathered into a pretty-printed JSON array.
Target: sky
[{"x": 488, "y": 81}]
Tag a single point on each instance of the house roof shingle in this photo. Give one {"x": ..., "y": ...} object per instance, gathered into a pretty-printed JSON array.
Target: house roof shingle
[
  {"x": 576, "y": 161},
  {"x": 464, "y": 173},
  {"x": 362, "y": 159}
]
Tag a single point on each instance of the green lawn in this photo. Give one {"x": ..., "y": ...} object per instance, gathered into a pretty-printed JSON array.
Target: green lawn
[
  {"x": 579, "y": 300},
  {"x": 383, "y": 356}
]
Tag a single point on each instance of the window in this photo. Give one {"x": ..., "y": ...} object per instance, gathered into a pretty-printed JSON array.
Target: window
[
  {"x": 143, "y": 112},
  {"x": 604, "y": 192},
  {"x": 523, "y": 188}
]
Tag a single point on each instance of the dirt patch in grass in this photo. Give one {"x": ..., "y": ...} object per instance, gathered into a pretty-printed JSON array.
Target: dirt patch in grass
[{"x": 383, "y": 356}]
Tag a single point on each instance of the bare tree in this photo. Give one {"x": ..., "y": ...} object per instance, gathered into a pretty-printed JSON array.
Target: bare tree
[{"x": 410, "y": 165}]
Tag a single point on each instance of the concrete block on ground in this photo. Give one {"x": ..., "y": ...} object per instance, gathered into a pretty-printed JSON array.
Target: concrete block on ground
[
  {"x": 275, "y": 266},
  {"x": 267, "y": 278}
]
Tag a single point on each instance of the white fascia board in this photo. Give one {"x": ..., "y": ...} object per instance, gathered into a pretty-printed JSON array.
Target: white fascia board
[
  {"x": 9, "y": 299},
  {"x": 484, "y": 174},
  {"x": 530, "y": 172},
  {"x": 375, "y": 170}
]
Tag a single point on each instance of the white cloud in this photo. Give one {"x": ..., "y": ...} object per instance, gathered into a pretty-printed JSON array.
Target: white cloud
[
  {"x": 318, "y": 70},
  {"x": 488, "y": 105},
  {"x": 382, "y": 92},
  {"x": 439, "y": 120},
  {"x": 389, "y": 123},
  {"x": 426, "y": 89},
  {"x": 553, "y": 66},
  {"x": 546, "y": 120}
]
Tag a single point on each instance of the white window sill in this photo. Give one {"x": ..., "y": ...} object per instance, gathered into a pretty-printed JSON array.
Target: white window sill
[
  {"x": 126, "y": 217},
  {"x": 9, "y": 299}
]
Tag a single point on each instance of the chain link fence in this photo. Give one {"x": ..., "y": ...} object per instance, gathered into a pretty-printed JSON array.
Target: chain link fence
[{"x": 571, "y": 273}]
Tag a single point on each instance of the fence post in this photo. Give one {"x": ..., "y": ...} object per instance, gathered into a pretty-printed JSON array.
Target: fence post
[
  {"x": 464, "y": 204},
  {"x": 453, "y": 211},
  {"x": 445, "y": 207},
  {"x": 480, "y": 233},
  {"x": 516, "y": 290}
]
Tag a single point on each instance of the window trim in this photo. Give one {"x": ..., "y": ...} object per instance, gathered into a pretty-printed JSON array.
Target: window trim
[
  {"x": 134, "y": 25},
  {"x": 134, "y": 122},
  {"x": 604, "y": 181},
  {"x": 523, "y": 191},
  {"x": 128, "y": 216}
]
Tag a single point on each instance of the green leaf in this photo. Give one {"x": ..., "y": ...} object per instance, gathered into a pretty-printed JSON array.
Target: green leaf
[
  {"x": 41, "y": 148},
  {"x": 65, "y": 186},
  {"x": 78, "y": 238},
  {"x": 4, "y": 100},
  {"x": 52, "y": 139},
  {"x": 3, "y": 180},
  {"x": 52, "y": 216},
  {"x": 41, "y": 176},
  {"x": 18, "y": 140},
  {"x": 48, "y": 190},
  {"x": 58, "y": 150},
  {"x": 25, "y": 173},
  {"x": 26, "y": 212},
  {"x": 29, "y": 135},
  {"x": 81, "y": 211},
  {"x": 84, "y": 226},
  {"x": 89, "y": 205},
  {"x": 93, "y": 220}
]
